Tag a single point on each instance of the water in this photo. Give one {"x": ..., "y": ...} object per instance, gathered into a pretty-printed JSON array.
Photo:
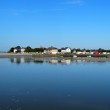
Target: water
[{"x": 54, "y": 84}]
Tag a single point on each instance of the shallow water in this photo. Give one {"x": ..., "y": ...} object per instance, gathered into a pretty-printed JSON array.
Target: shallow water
[{"x": 28, "y": 83}]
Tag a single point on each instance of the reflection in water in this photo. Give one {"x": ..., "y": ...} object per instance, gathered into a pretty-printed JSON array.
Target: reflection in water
[
  {"x": 62, "y": 61},
  {"x": 21, "y": 59},
  {"x": 68, "y": 61},
  {"x": 78, "y": 85},
  {"x": 53, "y": 61},
  {"x": 38, "y": 61}
]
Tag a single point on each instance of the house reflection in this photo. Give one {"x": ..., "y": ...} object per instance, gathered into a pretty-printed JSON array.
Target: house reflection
[
  {"x": 53, "y": 61},
  {"x": 67, "y": 61},
  {"x": 38, "y": 61},
  {"x": 63, "y": 61},
  {"x": 19, "y": 60}
]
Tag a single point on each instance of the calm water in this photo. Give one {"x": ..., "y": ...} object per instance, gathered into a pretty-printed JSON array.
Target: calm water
[{"x": 51, "y": 84}]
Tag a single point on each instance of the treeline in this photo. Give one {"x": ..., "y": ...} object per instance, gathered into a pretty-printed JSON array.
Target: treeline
[
  {"x": 41, "y": 49},
  {"x": 28, "y": 49}
]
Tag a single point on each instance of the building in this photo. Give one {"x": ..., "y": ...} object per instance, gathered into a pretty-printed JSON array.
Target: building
[
  {"x": 96, "y": 52},
  {"x": 19, "y": 50},
  {"x": 104, "y": 53},
  {"x": 51, "y": 50},
  {"x": 22, "y": 50},
  {"x": 66, "y": 50}
]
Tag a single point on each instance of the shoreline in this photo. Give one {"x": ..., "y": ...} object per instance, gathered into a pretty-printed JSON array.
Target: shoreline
[
  {"x": 12, "y": 54},
  {"x": 55, "y": 57}
]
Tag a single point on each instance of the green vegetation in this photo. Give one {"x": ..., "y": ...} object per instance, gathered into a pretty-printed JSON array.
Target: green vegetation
[
  {"x": 12, "y": 49},
  {"x": 39, "y": 50},
  {"x": 28, "y": 49}
]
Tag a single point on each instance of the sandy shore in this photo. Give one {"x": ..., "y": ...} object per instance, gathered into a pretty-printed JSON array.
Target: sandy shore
[
  {"x": 46, "y": 57},
  {"x": 12, "y": 54}
]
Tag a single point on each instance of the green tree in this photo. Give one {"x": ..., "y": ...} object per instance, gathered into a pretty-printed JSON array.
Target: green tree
[
  {"x": 11, "y": 50},
  {"x": 78, "y": 49},
  {"x": 101, "y": 50},
  {"x": 39, "y": 50},
  {"x": 88, "y": 50},
  {"x": 28, "y": 49},
  {"x": 59, "y": 50},
  {"x": 18, "y": 47},
  {"x": 107, "y": 50}
]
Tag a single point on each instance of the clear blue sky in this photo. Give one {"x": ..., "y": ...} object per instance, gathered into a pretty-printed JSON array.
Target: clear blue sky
[{"x": 59, "y": 23}]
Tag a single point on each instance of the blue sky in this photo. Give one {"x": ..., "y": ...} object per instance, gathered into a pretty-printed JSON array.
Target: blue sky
[{"x": 59, "y": 23}]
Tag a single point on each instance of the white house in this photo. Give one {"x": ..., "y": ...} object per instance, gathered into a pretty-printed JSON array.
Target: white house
[
  {"x": 91, "y": 52},
  {"x": 65, "y": 50},
  {"x": 104, "y": 53},
  {"x": 15, "y": 50},
  {"x": 22, "y": 50},
  {"x": 74, "y": 51},
  {"x": 51, "y": 50},
  {"x": 108, "y": 52},
  {"x": 87, "y": 52},
  {"x": 83, "y": 52},
  {"x": 19, "y": 50},
  {"x": 79, "y": 52}
]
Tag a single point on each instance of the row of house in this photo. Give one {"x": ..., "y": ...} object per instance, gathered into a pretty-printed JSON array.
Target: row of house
[
  {"x": 54, "y": 50},
  {"x": 50, "y": 50}
]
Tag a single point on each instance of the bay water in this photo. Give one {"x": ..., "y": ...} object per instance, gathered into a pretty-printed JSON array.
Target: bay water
[{"x": 28, "y": 83}]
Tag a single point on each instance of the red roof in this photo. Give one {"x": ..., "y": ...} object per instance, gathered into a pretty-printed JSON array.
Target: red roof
[{"x": 97, "y": 52}]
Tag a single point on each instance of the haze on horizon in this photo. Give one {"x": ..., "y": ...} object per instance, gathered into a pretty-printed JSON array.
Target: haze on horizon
[{"x": 59, "y": 23}]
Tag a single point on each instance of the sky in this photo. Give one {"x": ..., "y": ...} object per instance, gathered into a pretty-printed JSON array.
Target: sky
[{"x": 58, "y": 23}]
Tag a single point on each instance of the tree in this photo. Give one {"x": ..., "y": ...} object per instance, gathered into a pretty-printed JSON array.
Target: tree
[
  {"x": 107, "y": 50},
  {"x": 11, "y": 50},
  {"x": 39, "y": 50},
  {"x": 101, "y": 50},
  {"x": 59, "y": 50},
  {"x": 18, "y": 47},
  {"x": 78, "y": 49},
  {"x": 88, "y": 50},
  {"x": 28, "y": 49}
]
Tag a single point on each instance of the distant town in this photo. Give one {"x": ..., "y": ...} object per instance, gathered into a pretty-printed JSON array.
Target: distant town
[{"x": 56, "y": 51}]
